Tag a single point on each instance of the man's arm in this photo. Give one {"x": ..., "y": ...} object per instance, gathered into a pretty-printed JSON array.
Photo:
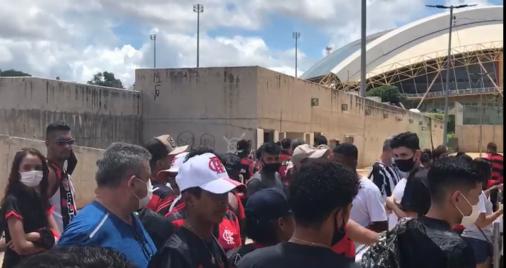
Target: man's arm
[
  {"x": 376, "y": 209},
  {"x": 360, "y": 234},
  {"x": 391, "y": 205}
]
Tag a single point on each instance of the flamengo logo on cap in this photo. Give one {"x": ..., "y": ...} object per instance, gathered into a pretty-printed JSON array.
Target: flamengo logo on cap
[{"x": 216, "y": 165}]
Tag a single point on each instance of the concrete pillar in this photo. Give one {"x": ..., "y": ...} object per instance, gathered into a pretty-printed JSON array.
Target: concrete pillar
[
  {"x": 260, "y": 138},
  {"x": 276, "y": 136},
  {"x": 309, "y": 138}
]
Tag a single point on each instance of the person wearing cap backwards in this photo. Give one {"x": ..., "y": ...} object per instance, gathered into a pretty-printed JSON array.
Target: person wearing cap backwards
[
  {"x": 204, "y": 185},
  {"x": 269, "y": 221},
  {"x": 320, "y": 197},
  {"x": 163, "y": 150}
]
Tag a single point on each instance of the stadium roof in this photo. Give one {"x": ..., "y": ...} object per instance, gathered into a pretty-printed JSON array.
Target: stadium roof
[{"x": 476, "y": 28}]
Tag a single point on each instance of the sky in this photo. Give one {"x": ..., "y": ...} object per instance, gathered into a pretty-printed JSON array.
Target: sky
[{"x": 74, "y": 39}]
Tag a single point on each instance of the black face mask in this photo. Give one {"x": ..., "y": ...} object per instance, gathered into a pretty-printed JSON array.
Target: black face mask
[
  {"x": 405, "y": 165},
  {"x": 271, "y": 168},
  {"x": 338, "y": 232}
]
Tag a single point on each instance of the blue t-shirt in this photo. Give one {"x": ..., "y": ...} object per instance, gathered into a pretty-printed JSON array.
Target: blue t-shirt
[{"x": 94, "y": 225}]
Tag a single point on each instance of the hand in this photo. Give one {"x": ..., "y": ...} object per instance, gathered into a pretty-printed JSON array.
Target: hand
[
  {"x": 33, "y": 236},
  {"x": 71, "y": 162}
]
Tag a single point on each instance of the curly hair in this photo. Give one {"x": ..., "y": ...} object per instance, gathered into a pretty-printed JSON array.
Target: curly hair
[{"x": 319, "y": 187}]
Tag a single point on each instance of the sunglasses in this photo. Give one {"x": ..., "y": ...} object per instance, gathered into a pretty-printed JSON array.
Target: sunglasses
[{"x": 65, "y": 142}]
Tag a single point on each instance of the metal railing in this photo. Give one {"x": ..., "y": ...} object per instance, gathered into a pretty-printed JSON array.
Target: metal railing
[{"x": 453, "y": 92}]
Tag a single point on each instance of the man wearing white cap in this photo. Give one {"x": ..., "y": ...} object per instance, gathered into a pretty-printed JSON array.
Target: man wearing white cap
[{"x": 204, "y": 185}]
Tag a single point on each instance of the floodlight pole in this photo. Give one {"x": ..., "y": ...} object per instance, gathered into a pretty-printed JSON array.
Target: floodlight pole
[
  {"x": 198, "y": 8},
  {"x": 153, "y": 37},
  {"x": 296, "y": 36},
  {"x": 363, "y": 65},
  {"x": 448, "y": 66}
]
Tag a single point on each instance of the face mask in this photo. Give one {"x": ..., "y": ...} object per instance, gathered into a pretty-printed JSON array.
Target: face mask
[
  {"x": 405, "y": 165},
  {"x": 338, "y": 232},
  {"x": 31, "y": 178},
  {"x": 143, "y": 202},
  {"x": 471, "y": 218},
  {"x": 273, "y": 167}
]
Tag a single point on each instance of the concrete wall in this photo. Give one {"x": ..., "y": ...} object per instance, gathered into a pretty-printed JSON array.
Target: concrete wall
[
  {"x": 469, "y": 137},
  {"x": 284, "y": 104},
  {"x": 225, "y": 104},
  {"x": 98, "y": 116},
  {"x": 84, "y": 175},
  {"x": 213, "y": 107}
]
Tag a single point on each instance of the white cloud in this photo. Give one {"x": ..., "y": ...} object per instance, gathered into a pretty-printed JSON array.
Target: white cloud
[{"x": 75, "y": 39}]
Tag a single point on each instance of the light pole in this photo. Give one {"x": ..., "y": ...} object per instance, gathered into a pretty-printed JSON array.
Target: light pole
[
  {"x": 198, "y": 8},
  {"x": 296, "y": 36},
  {"x": 481, "y": 74},
  {"x": 153, "y": 37},
  {"x": 448, "y": 65},
  {"x": 362, "y": 50}
]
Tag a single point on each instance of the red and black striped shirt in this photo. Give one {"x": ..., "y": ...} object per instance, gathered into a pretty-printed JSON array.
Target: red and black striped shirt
[{"x": 497, "y": 164}]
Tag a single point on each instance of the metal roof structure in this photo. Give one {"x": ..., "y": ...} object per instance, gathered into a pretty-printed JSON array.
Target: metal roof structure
[{"x": 424, "y": 40}]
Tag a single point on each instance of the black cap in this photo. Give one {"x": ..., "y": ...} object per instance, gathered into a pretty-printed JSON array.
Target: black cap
[{"x": 267, "y": 204}]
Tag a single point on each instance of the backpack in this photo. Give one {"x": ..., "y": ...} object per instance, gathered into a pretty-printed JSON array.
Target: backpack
[{"x": 385, "y": 253}]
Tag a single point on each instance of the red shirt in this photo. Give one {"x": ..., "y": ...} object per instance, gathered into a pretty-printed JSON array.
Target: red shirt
[
  {"x": 345, "y": 247},
  {"x": 497, "y": 163}
]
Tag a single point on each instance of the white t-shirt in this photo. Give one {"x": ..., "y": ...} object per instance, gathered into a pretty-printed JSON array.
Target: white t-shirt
[
  {"x": 471, "y": 231},
  {"x": 397, "y": 194},
  {"x": 368, "y": 205}
]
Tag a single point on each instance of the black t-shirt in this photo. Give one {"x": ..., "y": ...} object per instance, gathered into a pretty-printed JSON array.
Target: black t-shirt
[
  {"x": 416, "y": 196},
  {"x": 27, "y": 206},
  {"x": 186, "y": 250},
  {"x": 430, "y": 242},
  {"x": 157, "y": 226},
  {"x": 291, "y": 255}
]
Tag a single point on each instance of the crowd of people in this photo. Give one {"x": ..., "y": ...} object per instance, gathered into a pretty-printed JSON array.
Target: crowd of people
[{"x": 286, "y": 204}]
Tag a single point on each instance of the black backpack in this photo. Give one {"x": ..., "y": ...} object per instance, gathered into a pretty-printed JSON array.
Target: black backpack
[{"x": 385, "y": 253}]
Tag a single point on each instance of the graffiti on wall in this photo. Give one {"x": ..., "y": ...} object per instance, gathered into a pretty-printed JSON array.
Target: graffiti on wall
[
  {"x": 207, "y": 140},
  {"x": 185, "y": 138},
  {"x": 232, "y": 142},
  {"x": 157, "y": 82}
]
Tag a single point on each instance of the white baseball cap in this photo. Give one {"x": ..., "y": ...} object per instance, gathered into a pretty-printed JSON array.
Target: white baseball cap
[{"x": 207, "y": 172}]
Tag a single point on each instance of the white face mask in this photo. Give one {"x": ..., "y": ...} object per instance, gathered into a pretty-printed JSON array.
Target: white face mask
[
  {"x": 471, "y": 218},
  {"x": 31, "y": 178},
  {"x": 143, "y": 202}
]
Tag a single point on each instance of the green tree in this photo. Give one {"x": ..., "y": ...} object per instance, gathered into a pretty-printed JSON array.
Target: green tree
[
  {"x": 387, "y": 93},
  {"x": 12, "y": 72},
  {"x": 106, "y": 79}
]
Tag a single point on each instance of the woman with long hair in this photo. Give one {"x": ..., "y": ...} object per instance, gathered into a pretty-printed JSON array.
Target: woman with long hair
[{"x": 30, "y": 226}]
